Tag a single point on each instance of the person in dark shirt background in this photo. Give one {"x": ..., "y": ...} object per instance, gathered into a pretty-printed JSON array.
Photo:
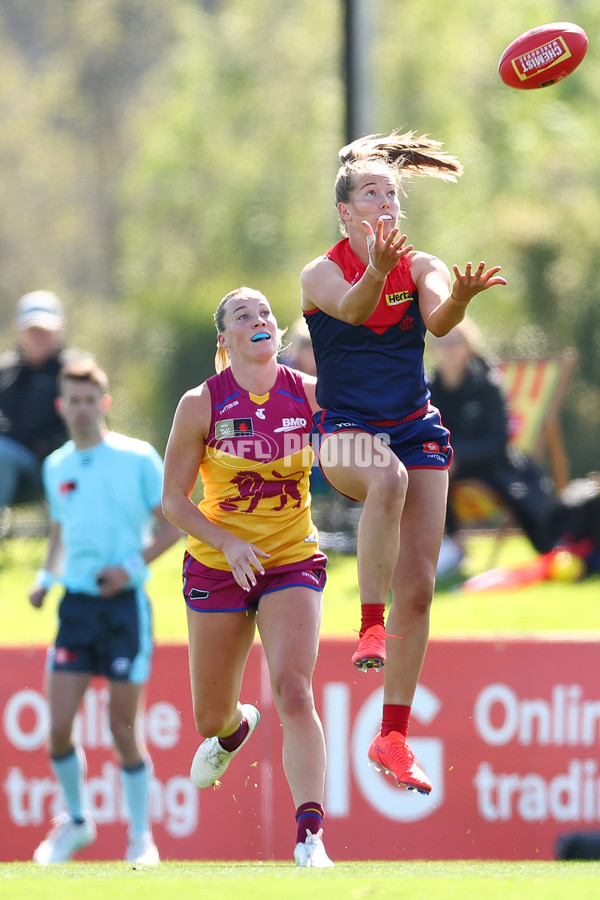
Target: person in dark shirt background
[
  {"x": 467, "y": 389},
  {"x": 30, "y": 427}
]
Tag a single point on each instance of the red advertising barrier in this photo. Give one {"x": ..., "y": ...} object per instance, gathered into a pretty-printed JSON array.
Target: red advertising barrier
[{"x": 507, "y": 730}]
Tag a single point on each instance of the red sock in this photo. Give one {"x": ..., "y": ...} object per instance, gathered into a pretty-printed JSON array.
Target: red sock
[
  {"x": 309, "y": 817},
  {"x": 371, "y": 614},
  {"x": 395, "y": 718},
  {"x": 232, "y": 741}
]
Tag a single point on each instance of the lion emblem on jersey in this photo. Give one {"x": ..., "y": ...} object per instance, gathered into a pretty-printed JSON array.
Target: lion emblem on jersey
[{"x": 253, "y": 488}]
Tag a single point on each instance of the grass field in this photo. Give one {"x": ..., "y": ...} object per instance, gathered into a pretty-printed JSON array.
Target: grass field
[
  {"x": 350, "y": 881},
  {"x": 545, "y": 607},
  {"x": 541, "y": 609}
]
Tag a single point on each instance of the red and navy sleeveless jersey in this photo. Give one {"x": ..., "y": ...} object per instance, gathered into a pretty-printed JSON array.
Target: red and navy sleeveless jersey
[
  {"x": 256, "y": 469},
  {"x": 375, "y": 369}
]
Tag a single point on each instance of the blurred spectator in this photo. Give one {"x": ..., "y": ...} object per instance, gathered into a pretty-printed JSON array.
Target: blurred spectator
[
  {"x": 466, "y": 389},
  {"x": 30, "y": 427}
]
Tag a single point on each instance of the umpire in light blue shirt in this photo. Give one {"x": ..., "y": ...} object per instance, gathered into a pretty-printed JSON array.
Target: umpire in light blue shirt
[{"x": 104, "y": 494}]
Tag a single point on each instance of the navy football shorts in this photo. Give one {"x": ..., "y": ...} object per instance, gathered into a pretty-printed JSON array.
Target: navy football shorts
[{"x": 420, "y": 441}]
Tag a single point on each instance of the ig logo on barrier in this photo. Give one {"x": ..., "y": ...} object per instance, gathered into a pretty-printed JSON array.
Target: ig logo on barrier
[{"x": 347, "y": 750}]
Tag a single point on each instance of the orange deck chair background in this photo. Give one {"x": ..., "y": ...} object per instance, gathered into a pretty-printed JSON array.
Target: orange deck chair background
[{"x": 535, "y": 392}]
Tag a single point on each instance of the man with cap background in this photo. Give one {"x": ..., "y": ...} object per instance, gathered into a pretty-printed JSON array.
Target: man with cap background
[{"x": 30, "y": 427}]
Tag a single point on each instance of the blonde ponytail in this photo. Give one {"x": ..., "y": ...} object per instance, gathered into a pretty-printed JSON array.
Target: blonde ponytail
[
  {"x": 222, "y": 361},
  {"x": 399, "y": 154}
]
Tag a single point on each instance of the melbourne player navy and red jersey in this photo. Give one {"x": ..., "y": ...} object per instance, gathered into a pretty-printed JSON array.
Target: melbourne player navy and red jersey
[
  {"x": 375, "y": 369},
  {"x": 371, "y": 376}
]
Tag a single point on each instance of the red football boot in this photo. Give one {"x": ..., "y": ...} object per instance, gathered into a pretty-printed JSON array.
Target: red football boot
[
  {"x": 392, "y": 755},
  {"x": 370, "y": 653}
]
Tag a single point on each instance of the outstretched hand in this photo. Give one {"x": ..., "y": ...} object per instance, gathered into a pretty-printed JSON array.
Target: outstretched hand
[
  {"x": 384, "y": 253},
  {"x": 470, "y": 283}
]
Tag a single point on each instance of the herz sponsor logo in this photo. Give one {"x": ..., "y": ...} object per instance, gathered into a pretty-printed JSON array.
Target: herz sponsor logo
[{"x": 398, "y": 297}]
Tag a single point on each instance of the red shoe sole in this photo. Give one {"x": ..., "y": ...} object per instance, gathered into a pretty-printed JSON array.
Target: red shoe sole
[{"x": 409, "y": 786}]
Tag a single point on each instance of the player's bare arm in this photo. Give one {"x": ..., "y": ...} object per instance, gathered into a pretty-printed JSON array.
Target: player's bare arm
[
  {"x": 324, "y": 286},
  {"x": 41, "y": 586},
  {"x": 443, "y": 304},
  {"x": 310, "y": 387},
  {"x": 185, "y": 449}
]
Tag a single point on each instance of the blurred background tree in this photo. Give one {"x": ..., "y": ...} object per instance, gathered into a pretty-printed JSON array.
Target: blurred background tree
[{"x": 154, "y": 155}]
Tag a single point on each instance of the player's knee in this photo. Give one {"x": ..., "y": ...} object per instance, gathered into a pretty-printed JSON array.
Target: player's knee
[
  {"x": 417, "y": 599},
  {"x": 388, "y": 486},
  {"x": 292, "y": 694},
  {"x": 212, "y": 721},
  {"x": 421, "y": 603}
]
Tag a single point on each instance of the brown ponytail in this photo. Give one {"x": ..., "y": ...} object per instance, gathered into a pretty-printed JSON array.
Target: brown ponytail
[{"x": 404, "y": 153}]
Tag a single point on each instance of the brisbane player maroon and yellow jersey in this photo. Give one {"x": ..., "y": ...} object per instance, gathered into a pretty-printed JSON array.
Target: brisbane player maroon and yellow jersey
[
  {"x": 374, "y": 369},
  {"x": 256, "y": 469}
]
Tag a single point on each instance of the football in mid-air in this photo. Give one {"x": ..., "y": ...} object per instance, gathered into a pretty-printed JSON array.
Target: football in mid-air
[{"x": 543, "y": 55}]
